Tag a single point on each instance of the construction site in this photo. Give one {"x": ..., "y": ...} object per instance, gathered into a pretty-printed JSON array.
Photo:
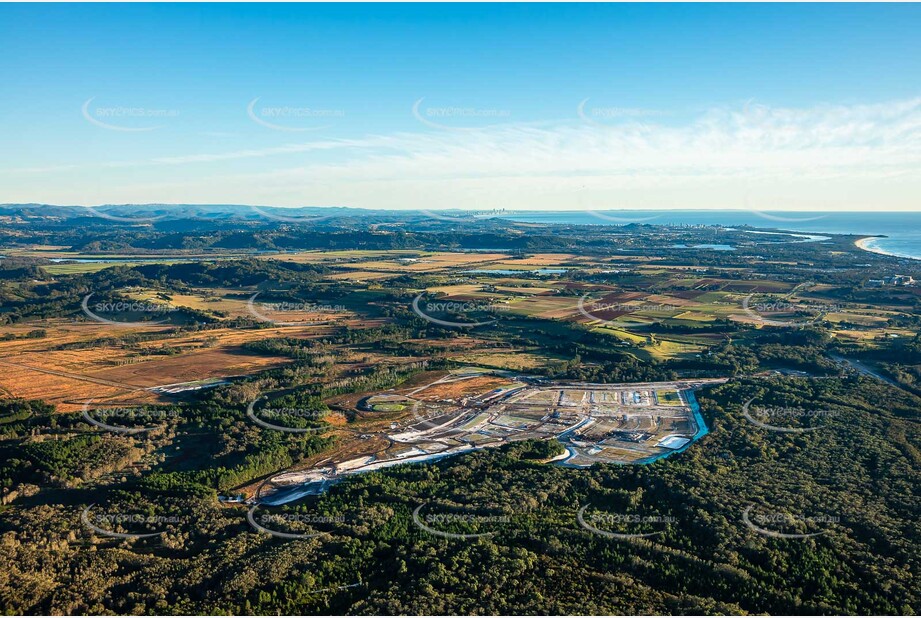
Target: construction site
[{"x": 467, "y": 410}]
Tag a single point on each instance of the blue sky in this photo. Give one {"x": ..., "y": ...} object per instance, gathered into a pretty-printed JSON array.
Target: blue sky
[{"x": 805, "y": 107}]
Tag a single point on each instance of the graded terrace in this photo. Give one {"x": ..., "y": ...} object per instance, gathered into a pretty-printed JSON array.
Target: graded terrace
[{"x": 472, "y": 409}]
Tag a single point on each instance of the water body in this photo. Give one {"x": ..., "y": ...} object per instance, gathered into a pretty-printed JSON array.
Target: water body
[
  {"x": 315, "y": 488},
  {"x": 702, "y": 430},
  {"x": 118, "y": 260},
  {"x": 790, "y": 237},
  {"x": 902, "y": 229}
]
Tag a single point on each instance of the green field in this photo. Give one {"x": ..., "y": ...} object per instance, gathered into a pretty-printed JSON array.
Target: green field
[
  {"x": 668, "y": 398},
  {"x": 388, "y": 407}
]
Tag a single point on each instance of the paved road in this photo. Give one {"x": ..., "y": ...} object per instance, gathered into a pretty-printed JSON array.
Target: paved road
[{"x": 863, "y": 369}]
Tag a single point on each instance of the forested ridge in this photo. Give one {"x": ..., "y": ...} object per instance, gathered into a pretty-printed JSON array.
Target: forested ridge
[{"x": 854, "y": 479}]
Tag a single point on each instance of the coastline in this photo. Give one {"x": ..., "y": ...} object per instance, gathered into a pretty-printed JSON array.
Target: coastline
[
  {"x": 865, "y": 244},
  {"x": 862, "y": 243}
]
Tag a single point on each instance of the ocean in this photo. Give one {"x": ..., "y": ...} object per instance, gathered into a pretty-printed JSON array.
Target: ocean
[{"x": 902, "y": 229}]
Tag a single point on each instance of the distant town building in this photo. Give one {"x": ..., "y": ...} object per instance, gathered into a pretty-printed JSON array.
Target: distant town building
[{"x": 893, "y": 280}]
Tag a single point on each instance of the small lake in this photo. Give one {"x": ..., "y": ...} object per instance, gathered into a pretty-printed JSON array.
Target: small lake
[
  {"x": 114, "y": 260},
  {"x": 702, "y": 430}
]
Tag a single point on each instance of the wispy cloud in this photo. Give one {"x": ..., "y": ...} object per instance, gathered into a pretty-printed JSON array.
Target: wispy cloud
[
  {"x": 520, "y": 164},
  {"x": 587, "y": 165}
]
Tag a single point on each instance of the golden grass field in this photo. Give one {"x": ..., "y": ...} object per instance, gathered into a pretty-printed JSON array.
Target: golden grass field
[
  {"x": 429, "y": 262},
  {"x": 234, "y": 304},
  {"x": 34, "y": 369},
  {"x": 316, "y": 257},
  {"x": 446, "y": 391},
  {"x": 517, "y": 360},
  {"x": 361, "y": 275},
  {"x": 210, "y": 300},
  {"x": 542, "y": 260}
]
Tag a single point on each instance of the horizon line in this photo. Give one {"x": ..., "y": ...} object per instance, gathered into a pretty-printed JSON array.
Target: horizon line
[{"x": 466, "y": 210}]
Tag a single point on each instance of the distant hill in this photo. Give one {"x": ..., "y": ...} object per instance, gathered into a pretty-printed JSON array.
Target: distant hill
[{"x": 181, "y": 211}]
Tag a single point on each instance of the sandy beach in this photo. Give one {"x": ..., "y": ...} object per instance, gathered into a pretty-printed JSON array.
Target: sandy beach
[
  {"x": 862, "y": 243},
  {"x": 867, "y": 245}
]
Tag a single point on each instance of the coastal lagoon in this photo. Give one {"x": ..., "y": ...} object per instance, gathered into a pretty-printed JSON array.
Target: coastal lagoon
[{"x": 902, "y": 230}]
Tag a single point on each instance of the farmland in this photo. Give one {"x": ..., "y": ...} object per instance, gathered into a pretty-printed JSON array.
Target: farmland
[
  {"x": 453, "y": 368},
  {"x": 664, "y": 313}
]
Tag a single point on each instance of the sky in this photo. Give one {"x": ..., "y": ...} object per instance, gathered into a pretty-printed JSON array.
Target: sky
[{"x": 436, "y": 106}]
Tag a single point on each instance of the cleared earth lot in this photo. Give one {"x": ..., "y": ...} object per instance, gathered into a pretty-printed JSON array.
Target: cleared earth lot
[{"x": 471, "y": 409}]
